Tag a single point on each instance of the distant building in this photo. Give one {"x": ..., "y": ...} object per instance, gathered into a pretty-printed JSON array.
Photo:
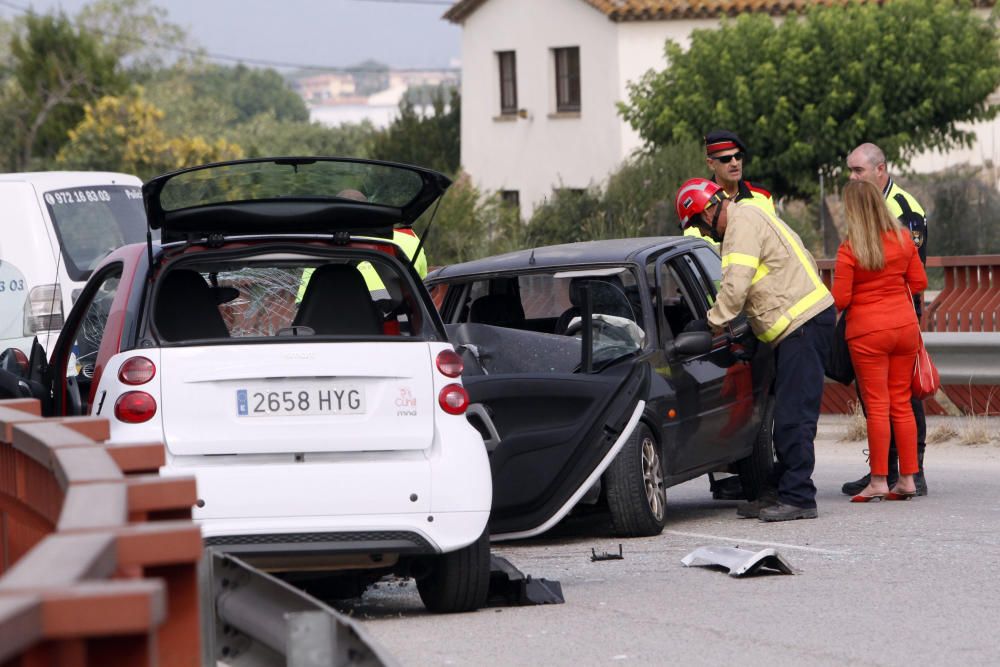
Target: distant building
[
  {"x": 322, "y": 88},
  {"x": 335, "y": 98},
  {"x": 410, "y": 78},
  {"x": 541, "y": 81}
]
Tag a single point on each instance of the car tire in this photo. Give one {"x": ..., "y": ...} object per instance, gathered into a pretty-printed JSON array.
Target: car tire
[
  {"x": 755, "y": 470},
  {"x": 636, "y": 493},
  {"x": 458, "y": 581}
]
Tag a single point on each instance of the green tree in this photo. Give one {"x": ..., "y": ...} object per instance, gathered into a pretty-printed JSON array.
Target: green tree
[
  {"x": 370, "y": 77},
  {"x": 568, "y": 216},
  {"x": 639, "y": 196},
  {"x": 804, "y": 92},
  {"x": 55, "y": 69},
  {"x": 469, "y": 224},
  {"x": 250, "y": 91},
  {"x": 266, "y": 135},
  {"x": 636, "y": 200},
  {"x": 135, "y": 31},
  {"x": 430, "y": 139},
  {"x": 221, "y": 96},
  {"x": 964, "y": 209},
  {"x": 126, "y": 134}
]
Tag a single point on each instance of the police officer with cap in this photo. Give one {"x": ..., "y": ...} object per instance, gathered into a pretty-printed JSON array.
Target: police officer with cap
[{"x": 725, "y": 154}]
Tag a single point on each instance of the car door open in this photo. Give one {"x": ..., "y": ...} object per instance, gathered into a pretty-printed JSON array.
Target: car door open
[{"x": 562, "y": 404}]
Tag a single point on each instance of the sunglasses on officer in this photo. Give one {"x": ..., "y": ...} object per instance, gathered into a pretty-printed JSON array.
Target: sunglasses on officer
[{"x": 726, "y": 159}]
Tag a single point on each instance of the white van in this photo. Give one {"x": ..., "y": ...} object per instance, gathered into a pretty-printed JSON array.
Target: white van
[{"x": 55, "y": 227}]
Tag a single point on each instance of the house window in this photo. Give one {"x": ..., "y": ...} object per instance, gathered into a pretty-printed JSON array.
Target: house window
[
  {"x": 508, "y": 82},
  {"x": 567, "y": 79},
  {"x": 511, "y": 199}
]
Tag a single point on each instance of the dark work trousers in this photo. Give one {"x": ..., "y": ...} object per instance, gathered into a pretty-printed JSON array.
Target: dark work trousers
[{"x": 798, "y": 392}]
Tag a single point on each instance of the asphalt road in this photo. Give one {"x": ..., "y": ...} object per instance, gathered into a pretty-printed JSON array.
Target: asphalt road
[{"x": 891, "y": 583}]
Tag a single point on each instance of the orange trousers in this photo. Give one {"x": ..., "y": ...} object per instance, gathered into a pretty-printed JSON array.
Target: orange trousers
[{"x": 883, "y": 362}]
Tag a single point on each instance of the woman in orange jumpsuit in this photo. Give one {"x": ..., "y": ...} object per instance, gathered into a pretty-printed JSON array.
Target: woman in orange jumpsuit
[{"x": 877, "y": 269}]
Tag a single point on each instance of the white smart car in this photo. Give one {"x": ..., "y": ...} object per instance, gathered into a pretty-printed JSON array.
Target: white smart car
[{"x": 285, "y": 351}]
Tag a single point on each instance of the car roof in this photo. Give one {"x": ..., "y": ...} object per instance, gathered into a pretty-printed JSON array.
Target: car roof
[
  {"x": 69, "y": 179},
  {"x": 611, "y": 251}
]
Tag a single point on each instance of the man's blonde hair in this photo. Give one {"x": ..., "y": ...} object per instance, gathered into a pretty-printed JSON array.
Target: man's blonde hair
[{"x": 868, "y": 218}]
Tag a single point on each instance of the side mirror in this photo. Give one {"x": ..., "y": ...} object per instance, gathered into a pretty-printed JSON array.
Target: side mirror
[{"x": 692, "y": 343}]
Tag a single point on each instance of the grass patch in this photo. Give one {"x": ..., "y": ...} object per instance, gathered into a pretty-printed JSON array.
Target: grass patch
[
  {"x": 857, "y": 425},
  {"x": 943, "y": 432},
  {"x": 974, "y": 430}
]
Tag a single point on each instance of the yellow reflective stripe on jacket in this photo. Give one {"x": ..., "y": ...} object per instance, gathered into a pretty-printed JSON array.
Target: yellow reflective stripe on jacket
[
  {"x": 408, "y": 242},
  {"x": 742, "y": 259},
  {"x": 806, "y": 302}
]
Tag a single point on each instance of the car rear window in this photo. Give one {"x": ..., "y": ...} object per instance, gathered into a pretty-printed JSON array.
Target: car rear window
[
  {"x": 379, "y": 184},
  {"x": 277, "y": 296},
  {"x": 92, "y": 221}
]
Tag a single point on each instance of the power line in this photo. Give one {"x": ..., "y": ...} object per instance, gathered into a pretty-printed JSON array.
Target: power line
[
  {"x": 263, "y": 62},
  {"x": 413, "y": 2}
]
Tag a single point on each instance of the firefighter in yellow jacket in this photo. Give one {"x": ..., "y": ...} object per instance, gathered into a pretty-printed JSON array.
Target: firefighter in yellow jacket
[
  {"x": 725, "y": 154},
  {"x": 768, "y": 275}
]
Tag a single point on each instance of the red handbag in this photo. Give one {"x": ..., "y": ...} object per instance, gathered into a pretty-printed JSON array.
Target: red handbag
[{"x": 926, "y": 380}]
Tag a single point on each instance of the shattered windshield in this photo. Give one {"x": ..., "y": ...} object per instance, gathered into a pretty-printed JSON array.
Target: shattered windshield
[{"x": 298, "y": 297}]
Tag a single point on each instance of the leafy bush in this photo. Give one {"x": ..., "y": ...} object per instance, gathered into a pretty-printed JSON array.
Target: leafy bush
[
  {"x": 637, "y": 200},
  {"x": 469, "y": 224}
]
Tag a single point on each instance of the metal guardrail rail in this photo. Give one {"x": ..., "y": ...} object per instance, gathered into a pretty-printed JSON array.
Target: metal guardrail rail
[
  {"x": 97, "y": 556},
  {"x": 969, "y": 366},
  {"x": 253, "y": 619},
  {"x": 99, "y": 565},
  {"x": 965, "y": 358}
]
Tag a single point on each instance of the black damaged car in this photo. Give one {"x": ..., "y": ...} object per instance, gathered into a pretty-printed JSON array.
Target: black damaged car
[{"x": 595, "y": 381}]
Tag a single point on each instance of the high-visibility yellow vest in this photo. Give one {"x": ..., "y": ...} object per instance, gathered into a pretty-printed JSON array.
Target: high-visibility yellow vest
[{"x": 405, "y": 239}]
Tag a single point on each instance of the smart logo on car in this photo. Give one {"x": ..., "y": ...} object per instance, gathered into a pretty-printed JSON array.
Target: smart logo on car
[{"x": 406, "y": 403}]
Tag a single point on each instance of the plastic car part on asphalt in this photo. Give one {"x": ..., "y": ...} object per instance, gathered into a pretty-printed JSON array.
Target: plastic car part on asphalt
[
  {"x": 509, "y": 586},
  {"x": 739, "y": 562}
]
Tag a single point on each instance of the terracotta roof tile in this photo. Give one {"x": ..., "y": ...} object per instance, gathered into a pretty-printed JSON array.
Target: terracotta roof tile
[{"x": 658, "y": 10}]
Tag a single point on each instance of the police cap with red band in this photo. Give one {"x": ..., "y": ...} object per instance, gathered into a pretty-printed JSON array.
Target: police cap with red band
[{"x": 717, "y": 141}]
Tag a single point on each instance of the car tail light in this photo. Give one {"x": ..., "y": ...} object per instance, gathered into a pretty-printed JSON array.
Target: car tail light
[
  {"x": 135, "y": 407},
  {"x": 136, "y": 370},
  {"x": 450, "y": 363},
  {"x": 43, "y": 309},
  {"x": 454, "y": 399}
]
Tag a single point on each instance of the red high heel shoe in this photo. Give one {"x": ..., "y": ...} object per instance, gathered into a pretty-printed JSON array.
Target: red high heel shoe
[
  {"x": 896, "y": 495},
  {"x": 861, "y": 498}
]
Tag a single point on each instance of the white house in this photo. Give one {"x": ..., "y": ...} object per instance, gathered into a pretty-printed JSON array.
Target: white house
[{"x": 541, "y": 80}]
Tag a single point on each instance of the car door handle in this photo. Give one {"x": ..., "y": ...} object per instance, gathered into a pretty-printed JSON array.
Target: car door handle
[{"x": 478, "y": 410}]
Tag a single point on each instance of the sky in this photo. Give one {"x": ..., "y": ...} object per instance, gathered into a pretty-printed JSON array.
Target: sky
[{"x": 331, "y": 33}]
